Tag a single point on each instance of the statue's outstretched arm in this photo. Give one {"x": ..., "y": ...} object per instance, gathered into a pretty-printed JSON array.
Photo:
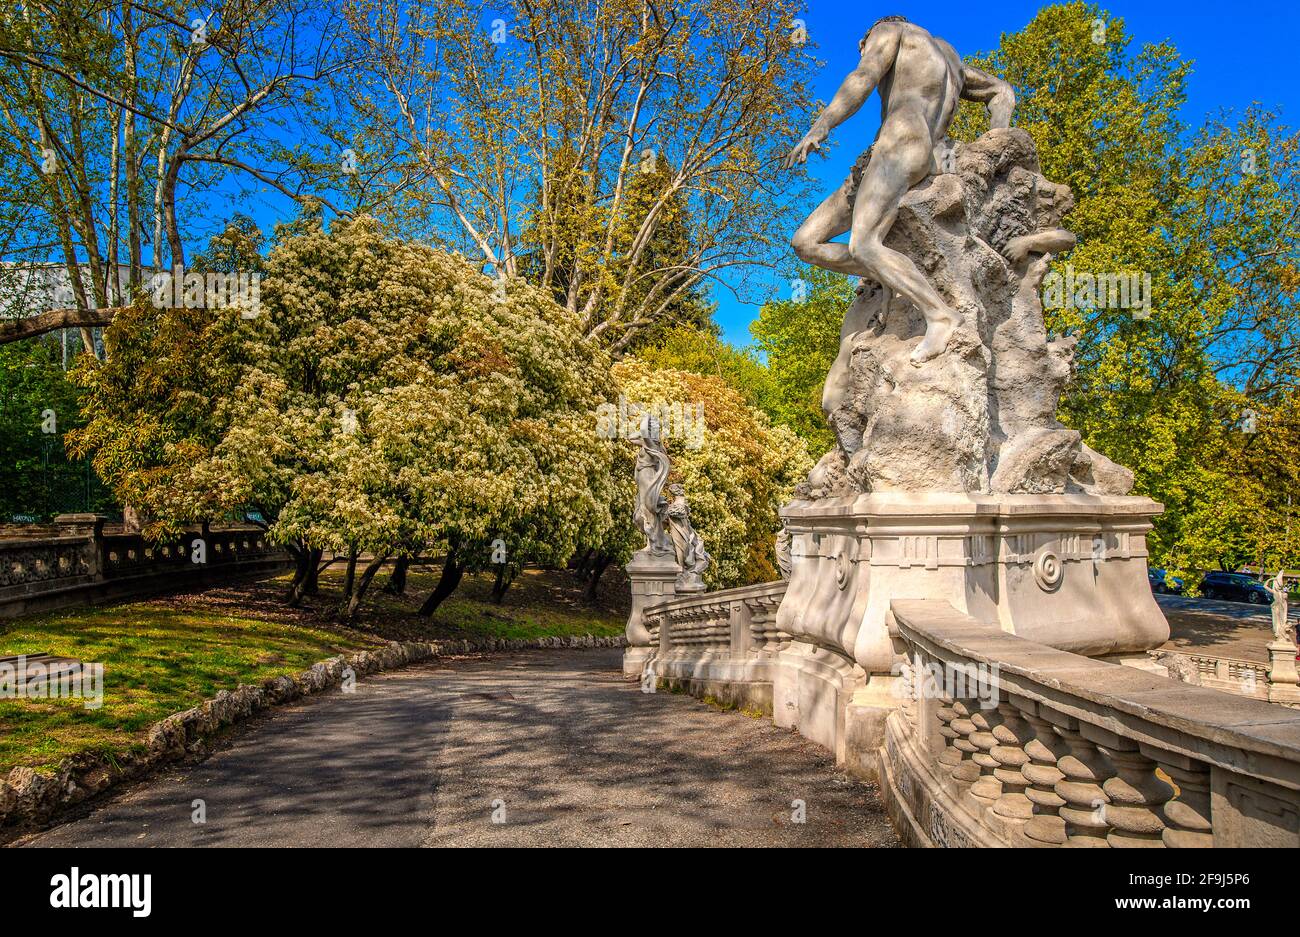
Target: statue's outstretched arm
[
  {"x": 878, "y": 51},
  {"x": 996, "y": 94}
]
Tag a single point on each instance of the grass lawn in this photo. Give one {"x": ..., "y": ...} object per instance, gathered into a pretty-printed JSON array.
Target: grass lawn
[
  {"x": 158, "y": 659},
  {"x": 164, "y": 655},
  {"x": 540, "y": 603}
]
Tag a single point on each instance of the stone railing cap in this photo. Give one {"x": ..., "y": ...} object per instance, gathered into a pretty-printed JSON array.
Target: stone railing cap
[
  {"x": 722, "y": 596},
  {"x": 943, "y": 503}
]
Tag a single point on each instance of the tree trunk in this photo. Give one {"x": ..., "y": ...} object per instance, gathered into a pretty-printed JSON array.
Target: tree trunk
[
  {"x": 452, "y": 571},
  {"x": 303, "y": 567},
  {"x": 13, "y": 330},
  {"x": 580, "y": 567},
  {"x": 396, "y": 584},
  {"x": 597, "y": 570},
  {"x": 502, "y": 583},
  {"x": 350, "y": 579},
  {"x": 367, "y": 575},
  {"x": 312, "y": 585}
]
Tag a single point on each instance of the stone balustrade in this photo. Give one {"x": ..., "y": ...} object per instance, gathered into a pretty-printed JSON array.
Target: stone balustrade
[
  {"x": 1006, "y": 742},
  {"x": 1229, "y": 674},
  {"x": 990, "y": 739},
  {"x": 1276, "y": 681},
  {"x": 79, "y": 560},
  {"x": 720, "y": 644}
]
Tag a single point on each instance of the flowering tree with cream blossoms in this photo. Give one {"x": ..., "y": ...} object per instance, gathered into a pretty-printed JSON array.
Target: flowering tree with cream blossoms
[{"x": 384, "y": 398}]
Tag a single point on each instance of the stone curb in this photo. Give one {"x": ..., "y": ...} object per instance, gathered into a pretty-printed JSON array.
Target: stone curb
[{"x": 28, "y": 797}]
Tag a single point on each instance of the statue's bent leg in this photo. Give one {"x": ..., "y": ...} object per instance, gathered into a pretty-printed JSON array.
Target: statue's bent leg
[
  {"x": 900, "y": 159},
  {"x": 812, "y": 242}
]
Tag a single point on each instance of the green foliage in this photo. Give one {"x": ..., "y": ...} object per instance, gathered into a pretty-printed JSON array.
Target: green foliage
[
  {"x": 701, "y": 351},
  {"x": 385, "y": 396},
  {"x": 1211, "y": 216},
  {"x": 663, "y": 304},
  {"x": 238, "y": 247},
  {"x": 37, "y": 479},
  {"x": 801, "y": 337},
  {"x": 617, "y": 155}
]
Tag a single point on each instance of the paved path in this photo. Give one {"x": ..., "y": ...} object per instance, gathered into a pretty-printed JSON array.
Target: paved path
[
  {"x": 1221, "y": 629},
  {"x": 574, "y": 755}
]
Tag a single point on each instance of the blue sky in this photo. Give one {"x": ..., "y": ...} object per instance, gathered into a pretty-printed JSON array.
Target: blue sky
[{"x": 1241, "y": 53}]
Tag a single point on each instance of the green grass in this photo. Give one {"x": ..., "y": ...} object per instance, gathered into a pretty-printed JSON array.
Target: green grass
[
  {"x": 158, "y": 659},
  {"x": 538, "y": 604},
  {"x": 166, "y": 655}
]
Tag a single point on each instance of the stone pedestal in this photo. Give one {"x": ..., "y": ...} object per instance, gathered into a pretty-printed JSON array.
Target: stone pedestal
[
  {"x": 1064, "y": 570},
  {"x": 1283, "y": 678},
  {"x": 811, "y": 686},
  {"x": 90, "y": 527},
  {"x": 653, "y": 577}
]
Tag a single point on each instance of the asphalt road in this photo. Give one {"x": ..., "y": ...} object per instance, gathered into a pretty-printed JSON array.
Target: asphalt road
[
  {"x": 1223, "y": 629},
  {"x": 534, "y": 749},
  {"x": 1239, "y": 611}
]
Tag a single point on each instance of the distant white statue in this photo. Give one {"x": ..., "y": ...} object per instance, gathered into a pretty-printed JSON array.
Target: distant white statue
[
  {"x": 783, "y": 559},
  {"x": 1281, "y": 626}
]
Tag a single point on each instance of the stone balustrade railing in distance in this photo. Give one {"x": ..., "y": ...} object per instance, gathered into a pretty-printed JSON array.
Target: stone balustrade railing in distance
[
  {"x": 81, "y": 560},
  {"x": 720, "y": 644}
]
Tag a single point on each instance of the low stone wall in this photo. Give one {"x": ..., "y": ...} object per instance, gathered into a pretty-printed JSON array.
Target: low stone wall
[
  {"x": 1041, "y": 747},
  {"x": 720, "y": 644},
  {"x": 29, "y": 798},
  {"x": 1249, "y": 678},
  {"x": 984, "y": 738},
  {"x": 727, "y": 645},
  {"x": 81, "y": 561},
  {"x": 1229, "y": 674}
]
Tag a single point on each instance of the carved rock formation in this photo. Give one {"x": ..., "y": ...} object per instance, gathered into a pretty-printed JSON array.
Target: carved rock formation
[{"x": 980, "y": 418}]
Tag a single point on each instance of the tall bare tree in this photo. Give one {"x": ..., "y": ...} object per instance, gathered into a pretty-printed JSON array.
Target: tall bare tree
[
  {"x": 120, "y": 120},
  {"x": 516, "y": 137}
]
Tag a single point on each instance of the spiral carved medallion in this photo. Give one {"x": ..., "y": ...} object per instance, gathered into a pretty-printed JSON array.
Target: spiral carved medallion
[{"x": 1048, "y": 570}]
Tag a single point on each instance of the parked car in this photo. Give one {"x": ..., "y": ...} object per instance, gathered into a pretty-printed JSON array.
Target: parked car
[
  {"x": 1235, "y": 587},
  {"x": 1164, "y": 584}
]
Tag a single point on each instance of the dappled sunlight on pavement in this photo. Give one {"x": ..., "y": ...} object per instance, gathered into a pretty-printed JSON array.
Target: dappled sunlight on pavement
[{"x": 534, "y": 749}]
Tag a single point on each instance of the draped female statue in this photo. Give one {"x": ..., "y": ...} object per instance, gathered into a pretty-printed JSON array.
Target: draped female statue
[{"x": 652, "y": 467}]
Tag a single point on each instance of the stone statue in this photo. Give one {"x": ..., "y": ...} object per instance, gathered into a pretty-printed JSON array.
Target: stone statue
[
  {"x": 689, "y": 548},
  {"x": 1281, "y": 626},
  {"x": 652, "y": 468},
  {"x": 946, "y": 379},
  {"x": 944, "y": 395},
  {"x": 921, "y": 80},
  {"x": 783, "y": 551}
]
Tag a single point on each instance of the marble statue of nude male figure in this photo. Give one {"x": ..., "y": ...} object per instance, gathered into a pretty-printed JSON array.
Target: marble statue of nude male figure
[{"x": 921, "y": 80}]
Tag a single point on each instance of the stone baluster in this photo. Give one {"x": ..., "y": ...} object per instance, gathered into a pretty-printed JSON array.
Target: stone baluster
[
  {"x": 1045, "y": 749},
  {"x": 1136, "y": 795},
  {"x": 965, "y": 771},
  {"x": 91, "y": 562},
  {"x": 1187, "y": 815},
  {"x": 1083, "y": 770},
  {"x": 915, "y": 686},
  {"x": 951, "y": 756},
  {"x": 1012, "y": 808},
  {"x": 987, "y": 788}
]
